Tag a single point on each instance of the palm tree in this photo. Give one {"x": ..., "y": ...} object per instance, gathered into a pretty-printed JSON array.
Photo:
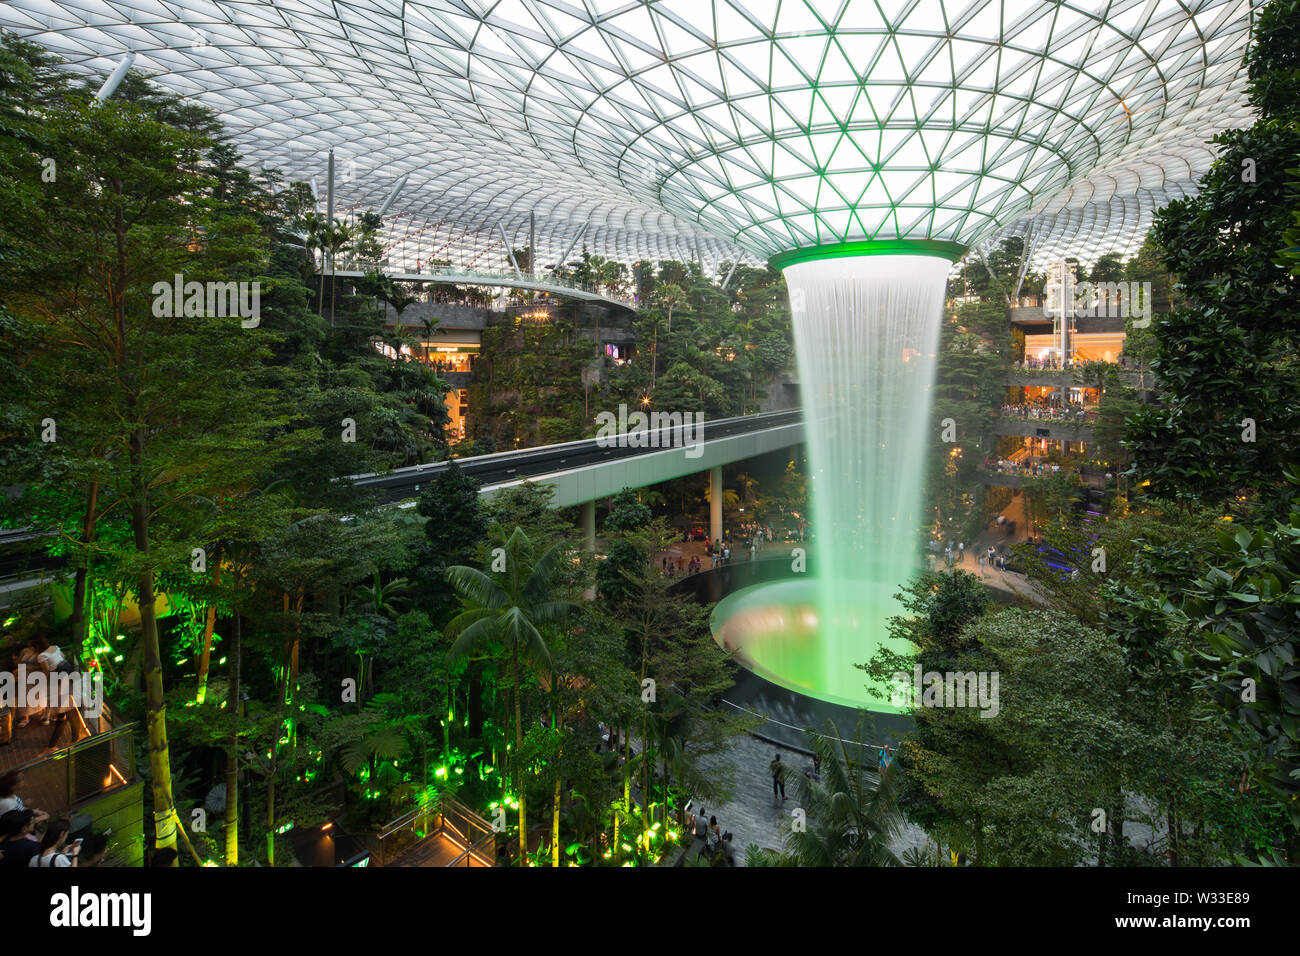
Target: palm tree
[
  {"x": 669, "y": 295},
  {"x": 747, "y": 487},
  {"x": 851, "y": 811},
  {"x": 507, "y": 608},
  {"x": 378, "y": 605},
  {"x": 330, "y": 239},
  {"x": 730, "y": 500}
]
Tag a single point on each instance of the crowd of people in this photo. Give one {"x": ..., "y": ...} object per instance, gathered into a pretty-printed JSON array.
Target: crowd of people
[
  {"x": 29, "y": 838},
  {"x": 1047, "y": 362},
  {"x": 1025, "y": 467},
  {"x": 1054, "y": 412},
  {"x": 748, "y": 539},
  {"x": 441, "y": 367},
  {"x": 38, "y": 655},
  {"x": 717, "y": 842},
  {"x": 674, "y": 565}
]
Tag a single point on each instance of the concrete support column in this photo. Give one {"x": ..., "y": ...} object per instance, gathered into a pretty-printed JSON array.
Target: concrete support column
[
  {"x": 589, "y": 525},
  {"x": 715, "y": 503}
]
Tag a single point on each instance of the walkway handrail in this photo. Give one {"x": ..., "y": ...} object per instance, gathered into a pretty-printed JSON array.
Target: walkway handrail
[
  {"x": 489, "y": 278},
  {"x": 452, "y": 817},
  {"x": 85, "y": 743}
]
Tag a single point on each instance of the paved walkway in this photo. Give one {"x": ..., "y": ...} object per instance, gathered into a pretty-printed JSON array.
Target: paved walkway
[
  {"x": 753, "y": 815},
  {"x": 994, "y": 536}
]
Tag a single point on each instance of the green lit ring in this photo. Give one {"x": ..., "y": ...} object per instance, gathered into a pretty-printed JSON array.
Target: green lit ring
[{"x": 952, "y": 251}]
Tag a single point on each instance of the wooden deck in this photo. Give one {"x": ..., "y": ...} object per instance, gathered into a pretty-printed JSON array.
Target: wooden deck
[
  {"x": 55, "y": 779},
  {"x": 36, "y": 740}
]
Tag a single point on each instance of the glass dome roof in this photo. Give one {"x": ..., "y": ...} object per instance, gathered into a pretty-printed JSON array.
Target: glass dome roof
[{"x": 695, "y": 129}]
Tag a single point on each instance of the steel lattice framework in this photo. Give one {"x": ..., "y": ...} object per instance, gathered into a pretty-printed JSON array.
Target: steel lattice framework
[{"x": 705, "y": 129}]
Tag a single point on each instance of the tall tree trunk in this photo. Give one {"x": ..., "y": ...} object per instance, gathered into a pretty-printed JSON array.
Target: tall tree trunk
[
  {"x": 475, "y": 701},
  {"x": 1117, "y": 830},
  {"x": 646, "y": 778},
  {"x": 209, "y": 628},
  {"x": 275, "y": 758},
  {"x": 627, "y": 794},
  {"x": 81, "y": 580},
  {"x": 555, "y": 826},
  {"x": 155, "y": 706},
  {"x": 519, "y": 769},
  {"x": 646, "y": 766},
  {"x": 1172, "y": 824},
  {"x": 555, "y": 810},
  {"x": 234, "y": 705},
  {"x": 654, "y": 357},
  {"x": 614, "y": 848},
  {"x": 164, "y": 813}
]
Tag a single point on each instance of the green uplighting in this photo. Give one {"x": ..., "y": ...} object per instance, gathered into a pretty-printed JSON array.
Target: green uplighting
[
  {"x": 952, "y": 251},
  {"x": 866, "y": 323}
]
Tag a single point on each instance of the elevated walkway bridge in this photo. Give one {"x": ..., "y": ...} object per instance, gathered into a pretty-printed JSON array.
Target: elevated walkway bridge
[
  {"x": 505, "y": 280},
  {"x": 594, "y": 468},
  {"x": 581, "y": 472}
]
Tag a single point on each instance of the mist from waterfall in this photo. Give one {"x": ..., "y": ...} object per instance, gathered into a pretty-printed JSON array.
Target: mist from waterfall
[{"x": 866, "y": 333}]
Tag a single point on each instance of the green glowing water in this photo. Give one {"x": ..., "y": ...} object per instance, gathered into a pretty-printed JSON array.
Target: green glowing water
[{"x": 866, "y": 334}]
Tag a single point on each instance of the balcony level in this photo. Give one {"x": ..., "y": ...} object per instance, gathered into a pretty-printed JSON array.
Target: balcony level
[{"x": 82, "y": 769}]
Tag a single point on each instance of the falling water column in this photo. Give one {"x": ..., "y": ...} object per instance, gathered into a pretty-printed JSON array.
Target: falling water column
[{"x": 866, "y": 324}]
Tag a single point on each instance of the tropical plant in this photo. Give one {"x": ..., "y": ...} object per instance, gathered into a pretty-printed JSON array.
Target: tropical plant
[
  {"x": 851, "y": 812},
  {"x": 507, "y": 608}
]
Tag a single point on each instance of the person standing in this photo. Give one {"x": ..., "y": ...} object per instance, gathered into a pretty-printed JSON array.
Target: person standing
[{"x": 778, "y": 777}]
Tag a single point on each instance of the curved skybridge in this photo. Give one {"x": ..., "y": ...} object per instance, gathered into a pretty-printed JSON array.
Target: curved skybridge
[
  {"x": 584, "y": 471},
  {"x": 504, "y": 280}
]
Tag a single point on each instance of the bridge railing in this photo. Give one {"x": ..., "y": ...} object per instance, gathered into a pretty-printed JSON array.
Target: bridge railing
[
  {"x": 443, "y": 816},
  {"x": 492, "y": 277}
]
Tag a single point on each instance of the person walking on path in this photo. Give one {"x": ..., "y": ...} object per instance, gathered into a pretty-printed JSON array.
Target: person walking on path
[{"x": 778, "y": 777}]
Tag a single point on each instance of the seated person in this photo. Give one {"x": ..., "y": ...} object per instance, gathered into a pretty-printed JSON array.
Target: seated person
[
  {"x": 728, "y": 851},
  {"x": 700, "y": 829},
  {"x": 18, "y": 840},
  {"x": 713, "y": 837},
  {"x": 54, "y": 852},
  {"x": 9, "y": 799},
  {"x": 93, "y": 850}
]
